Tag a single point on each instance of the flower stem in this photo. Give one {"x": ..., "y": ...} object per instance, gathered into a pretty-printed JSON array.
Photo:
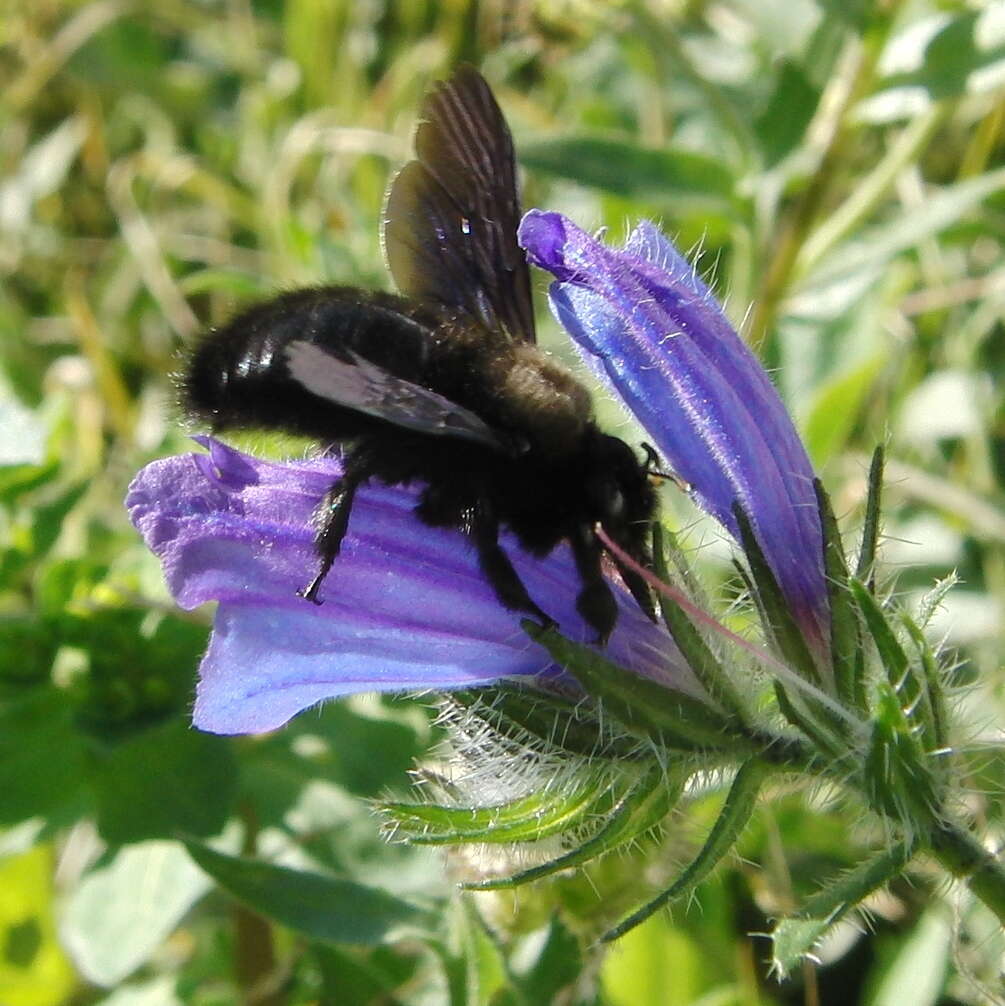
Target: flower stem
[
  {"x": 964, "y": 857},
  {"x": 255, "y": 953},
  {"x": 956, "y": 850}
]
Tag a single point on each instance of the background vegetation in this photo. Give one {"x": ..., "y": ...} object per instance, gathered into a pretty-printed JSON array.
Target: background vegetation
[{"x": 841, "y": 167}]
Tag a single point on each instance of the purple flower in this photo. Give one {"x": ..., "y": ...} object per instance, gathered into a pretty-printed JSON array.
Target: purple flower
[
  {"x": 652, "y": 330},
  {"x": 405, "y": 607}
]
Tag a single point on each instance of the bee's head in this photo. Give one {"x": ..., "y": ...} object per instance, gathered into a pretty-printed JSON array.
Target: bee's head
[{"x": 621, "y": 490}]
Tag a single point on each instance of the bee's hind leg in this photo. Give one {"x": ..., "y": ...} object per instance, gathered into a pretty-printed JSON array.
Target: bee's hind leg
[
  {"x": 496, "y": 565},
  {"x": 332, "y": 518}
]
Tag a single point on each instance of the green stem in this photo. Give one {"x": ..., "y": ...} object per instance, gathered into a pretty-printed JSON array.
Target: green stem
[
  {"x": 254, "y": 950},
  {"x": 964, "y": 857},
  {"x": 958, "y": 851}
]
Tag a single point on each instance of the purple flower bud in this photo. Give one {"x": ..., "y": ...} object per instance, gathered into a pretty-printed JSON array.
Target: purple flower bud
[
  {"x": 651, "y": 330},
  {"x": 405, "y": 606}
]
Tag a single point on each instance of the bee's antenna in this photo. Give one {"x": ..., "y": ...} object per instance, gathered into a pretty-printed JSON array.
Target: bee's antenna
[{"x": 654, "y": 471}]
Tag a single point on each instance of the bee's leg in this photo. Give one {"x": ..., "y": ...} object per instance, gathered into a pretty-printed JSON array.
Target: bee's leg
[
  {"x": 438, "y": 507},
  {"x": 332, "y": 517},
  {"x": 595, "y": 601},
  {"x": 496, "y": 566}
]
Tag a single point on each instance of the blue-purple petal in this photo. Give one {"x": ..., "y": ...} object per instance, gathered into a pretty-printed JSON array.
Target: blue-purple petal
[
  {"x": 405, "y": 607},
  {"x": 651, "y": 329}
]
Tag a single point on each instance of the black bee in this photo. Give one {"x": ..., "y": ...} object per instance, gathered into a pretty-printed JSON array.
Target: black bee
[{"x": 444, "y": 385}]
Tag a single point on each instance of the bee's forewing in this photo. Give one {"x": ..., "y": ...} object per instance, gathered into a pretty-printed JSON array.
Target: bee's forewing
[
  {"x": 358, "y": 384},
  {"x": 451, "y": 215}
]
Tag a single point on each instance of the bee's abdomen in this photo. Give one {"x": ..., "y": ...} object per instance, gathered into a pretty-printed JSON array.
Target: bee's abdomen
[{"x": 237, "y": 376}]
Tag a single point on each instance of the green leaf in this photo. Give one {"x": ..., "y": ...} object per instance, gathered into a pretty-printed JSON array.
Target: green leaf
[
  {"x": 330, "y": 909},
  {"x": 363, "y": 753},
  {"x": 28, "y": 647},
  {"x": 872, "y": 250},
  {"x": 42, "y": 756},
  {"x": 236, "y": 283},
  {"x": 16, "y": 480},
  {"x": 555, "y": 967},
  {"x": 484, "y": 958},
  {"x": 741, "y": 802},
  {"x": 164, "y": 781},
  {"x": 664, "y": 963},
  {"x": 951, "y": 56},
  {"x": 62, "y": 584},
  {"x": 836, "y": 407},
  {"x": 33, "y": 966},
  {"x": 349, "y": 975},
  {"x": 121, "y": 913},
  {"x": 780, "y": 127},
  {"x": 627, "y": 169},
  {"x": 47, "y": 518}
]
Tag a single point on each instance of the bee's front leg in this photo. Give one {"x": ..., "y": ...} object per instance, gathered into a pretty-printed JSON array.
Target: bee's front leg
[
  {"x": 496, "y": 565},
  {"x": 332, "y": 520},
  {"x": 595, "y": 601}
]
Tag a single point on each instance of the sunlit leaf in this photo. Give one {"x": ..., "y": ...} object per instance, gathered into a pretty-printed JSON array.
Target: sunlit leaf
[
  {"x": 121, "y": 913},
  {"x": 627, "y": 169}
]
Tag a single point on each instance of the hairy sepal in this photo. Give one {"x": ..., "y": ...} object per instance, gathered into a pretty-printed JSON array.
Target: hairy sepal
[
  {"x": 548, "y": 721},
  {"x": 907, "y": 679},
  {"x": 870, "y": 530},
  {"x": 740, "y": 804},
  {"x": 811, "y": 717},
  {"x": 934, "y": 687},
  {"x": 699, "y": 656},
  {"x": 669, "y": 719},
  {"x": 640, "y": 810},
  {"x": 779, "y": 623},
  {"x": 530, "y": 818},
  {"x": 847, "y": 658},
  {"x": 897, "y": 779}
]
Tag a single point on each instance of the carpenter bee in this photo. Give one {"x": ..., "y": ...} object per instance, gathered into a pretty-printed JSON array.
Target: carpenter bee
[{"x": 442, "y": 385}]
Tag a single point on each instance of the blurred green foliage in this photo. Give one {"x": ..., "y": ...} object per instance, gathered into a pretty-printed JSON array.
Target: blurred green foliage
[{"x": 840, "y": 168}]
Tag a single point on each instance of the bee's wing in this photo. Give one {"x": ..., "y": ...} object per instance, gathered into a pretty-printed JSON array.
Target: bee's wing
[
  {"x": 358, "y": 384},
  {"x": 451, "y": 216}
]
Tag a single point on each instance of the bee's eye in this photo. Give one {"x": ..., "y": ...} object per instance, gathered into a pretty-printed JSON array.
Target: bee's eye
[{"x": 616, "y": 502}]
